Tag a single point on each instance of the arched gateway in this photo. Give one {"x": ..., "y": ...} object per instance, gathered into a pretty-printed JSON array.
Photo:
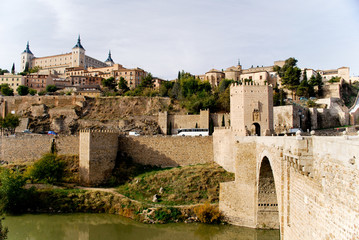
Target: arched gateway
[{"x": 267, "y": 213}]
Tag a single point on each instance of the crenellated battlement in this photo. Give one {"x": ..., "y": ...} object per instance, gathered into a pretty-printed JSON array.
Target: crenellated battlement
[{"x": 98, "y": 131}]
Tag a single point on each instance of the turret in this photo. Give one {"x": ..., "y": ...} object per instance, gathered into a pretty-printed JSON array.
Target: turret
[
  {"x": 26, "y": 57},
  {"x": 78, "y": 54},
  {"x": 109, "y": 60}
]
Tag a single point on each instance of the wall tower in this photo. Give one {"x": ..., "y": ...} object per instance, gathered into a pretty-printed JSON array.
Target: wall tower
[{"x": 251, "y": 109}]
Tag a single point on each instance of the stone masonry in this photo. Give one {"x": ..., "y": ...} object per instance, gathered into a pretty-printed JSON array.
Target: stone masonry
[
  {"x": 305, "y": 186},
  {"x": 251, "y": 109},
  {"x": 98, "y": 151}
]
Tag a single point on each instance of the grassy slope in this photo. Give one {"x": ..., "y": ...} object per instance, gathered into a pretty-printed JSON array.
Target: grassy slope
[{"x": 181, "y": 185}]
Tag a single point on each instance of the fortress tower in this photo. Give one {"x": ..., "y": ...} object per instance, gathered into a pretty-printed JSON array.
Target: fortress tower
[
  {"x": 26, "y": 57},
  {"x": 109, "y": 60},
  {"x": 78, "y": 54},
  {"x": 251, "y": 109}
]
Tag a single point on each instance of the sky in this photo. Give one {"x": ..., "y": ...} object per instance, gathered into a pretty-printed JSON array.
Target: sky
[{"x": 166, "y": 36}]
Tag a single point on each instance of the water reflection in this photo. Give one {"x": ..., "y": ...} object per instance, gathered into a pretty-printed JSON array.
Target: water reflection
[{"x": 110, "y": 227}]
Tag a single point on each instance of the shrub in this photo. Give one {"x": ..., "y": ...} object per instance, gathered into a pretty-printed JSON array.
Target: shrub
[
  {"x": 207, "y": 213},
  {"x": 3, "y": 231},
  {"x": 166, "y": 215},
  {"x": 32, "y": 91},
  {"x": 13, "y": 195},
  {"x": 311, "y": 103},
  {"x": 41, "y": 93},
  {"x": 49, "y": 169}
]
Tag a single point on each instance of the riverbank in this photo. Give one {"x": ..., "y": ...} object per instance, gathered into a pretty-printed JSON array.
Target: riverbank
[{"x": 153, "y": 195}]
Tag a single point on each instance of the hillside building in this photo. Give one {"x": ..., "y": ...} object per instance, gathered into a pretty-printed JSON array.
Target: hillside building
[{"x": 14, "y": 81}]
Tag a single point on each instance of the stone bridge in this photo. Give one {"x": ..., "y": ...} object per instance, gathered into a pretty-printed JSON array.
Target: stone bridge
[{"x": 307, "y": 187}]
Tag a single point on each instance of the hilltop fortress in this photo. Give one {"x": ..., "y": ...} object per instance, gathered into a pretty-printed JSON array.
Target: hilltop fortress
[{"x": 58, "y": 63}]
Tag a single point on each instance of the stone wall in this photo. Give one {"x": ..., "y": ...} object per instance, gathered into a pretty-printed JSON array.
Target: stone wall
[
  {"x": 223, "y": 148},
  {"x": 190, "y": 121},
  {"x": 316, "y": 185},
  {"x": 325, "y": 205},
  {"x": 332, "y": 90},
  {"x": 30, "y": 147},
  {"x": 217, "y": 119},
  {"x": 98, "y": 152},
  {"x": 168, "y": 151},
  {"x": 20, "y": 103},
  {"x": 291, "y": 116}
]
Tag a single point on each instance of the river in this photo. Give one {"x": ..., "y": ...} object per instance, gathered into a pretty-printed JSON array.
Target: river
[{"x": 111, "y": 227}]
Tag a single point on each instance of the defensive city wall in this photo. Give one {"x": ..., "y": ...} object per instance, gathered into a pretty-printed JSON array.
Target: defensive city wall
[{"x": 162, "y": 151}]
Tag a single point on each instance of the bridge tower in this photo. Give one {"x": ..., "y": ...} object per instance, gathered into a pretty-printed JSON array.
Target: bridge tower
[{"x": 251, "y": 109}]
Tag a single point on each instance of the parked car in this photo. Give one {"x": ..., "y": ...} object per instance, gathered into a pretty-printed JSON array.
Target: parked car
[
  {"x": 26, "y": 131},
  {"x": 51, "y": 133},
  {"x": 294, "y": 130}
]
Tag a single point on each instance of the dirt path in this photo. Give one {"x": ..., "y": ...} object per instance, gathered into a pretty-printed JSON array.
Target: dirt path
[{"x": 154, "y": 205}]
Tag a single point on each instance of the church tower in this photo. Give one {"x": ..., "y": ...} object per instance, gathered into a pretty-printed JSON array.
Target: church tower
[
  {"x": 78, "y": 54},
  {"x": 26, "y": 57},
  {"x": 109, "y": 60}
]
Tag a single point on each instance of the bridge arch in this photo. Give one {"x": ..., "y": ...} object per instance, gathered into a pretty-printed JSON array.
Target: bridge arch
[{"x": 267, "y": 194}]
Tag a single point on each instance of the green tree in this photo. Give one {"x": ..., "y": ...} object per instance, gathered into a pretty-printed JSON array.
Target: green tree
[
  {"x": 41, "y": 93},
  {"x": 22, "y": 90},
  {"x": 26, "y": 70},
  {"x": 176, "y": 90},
  {"x": 34, "y": 69},
  {"x": 32, "y": 91},
  {"x": 13, "y": 68},
  {"x": 6, "y": 90},
  {"x": 13, "y": 195},
  {"x": 51, "y": 88},
  {"x": 224, "y": 84},
  {"x": 2, "y": 71},
  {"x": 278, "y": 97},
  {"x": 49, "y": 169},
  {"x": 317, "y": 81},
  {"x": 147, "y": 82},
  {"x": 334, "y": 79},
  {"x": 122, "y": 84},
  {"x": 10, "y": 122},
  {"x": 303, "y": 88},
  {"x": 110, "y": 83},
  {"x": 165, "y": 88},
  {"x": 223, "y": 101},
  {"x": 289, "y": 73}
]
